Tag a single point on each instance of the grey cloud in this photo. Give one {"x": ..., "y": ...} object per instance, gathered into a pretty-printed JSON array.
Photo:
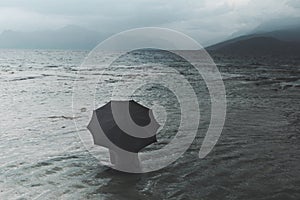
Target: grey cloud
[
  {"x": 294, "y": 3},
  {"x": 206, "y": 20}
]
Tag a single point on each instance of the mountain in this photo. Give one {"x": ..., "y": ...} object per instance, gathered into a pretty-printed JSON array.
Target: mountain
[
  {"x": 282, "y": 43},
  {"x": 274, "y": 25},
  {"x": 68, "y": 37}
]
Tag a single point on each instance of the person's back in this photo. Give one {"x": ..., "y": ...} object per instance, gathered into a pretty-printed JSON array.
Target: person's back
[{"x": 124, "y": 160}]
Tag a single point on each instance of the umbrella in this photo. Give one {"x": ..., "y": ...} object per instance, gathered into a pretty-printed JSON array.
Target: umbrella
[{"x": 123, "y": 126}]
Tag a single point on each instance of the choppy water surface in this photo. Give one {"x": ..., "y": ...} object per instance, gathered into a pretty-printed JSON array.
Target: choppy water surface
[{"x": 42, "y": 156}]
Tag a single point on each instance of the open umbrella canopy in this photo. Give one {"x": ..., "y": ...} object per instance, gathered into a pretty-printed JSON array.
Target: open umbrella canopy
[{"x": 127, "y": 125}]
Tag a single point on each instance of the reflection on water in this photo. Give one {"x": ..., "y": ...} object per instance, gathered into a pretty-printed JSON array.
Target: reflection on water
[{"x": 257, "y": 156}]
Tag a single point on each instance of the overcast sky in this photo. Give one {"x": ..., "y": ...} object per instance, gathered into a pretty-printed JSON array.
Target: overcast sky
[{"x": 205, "y": 20}]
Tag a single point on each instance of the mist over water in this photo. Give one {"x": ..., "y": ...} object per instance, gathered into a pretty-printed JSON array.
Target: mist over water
[{"x": 42, "y": 156}]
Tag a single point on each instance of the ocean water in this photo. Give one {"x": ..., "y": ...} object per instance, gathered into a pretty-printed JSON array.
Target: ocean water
[{"x": 43, "y": 157}]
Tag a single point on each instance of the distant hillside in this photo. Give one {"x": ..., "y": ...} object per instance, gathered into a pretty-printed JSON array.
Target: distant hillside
[
  {"x": 260, "y": 46},
  {"x": 275, "y": 43},
  {"x": 69, "y": 37}
]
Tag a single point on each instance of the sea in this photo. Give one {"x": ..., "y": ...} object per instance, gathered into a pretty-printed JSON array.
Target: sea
[{"x": 46, "y": 101}]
